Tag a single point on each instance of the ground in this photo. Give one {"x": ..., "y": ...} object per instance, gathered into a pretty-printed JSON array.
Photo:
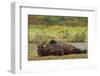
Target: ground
[{"x": 71, "y": 56}]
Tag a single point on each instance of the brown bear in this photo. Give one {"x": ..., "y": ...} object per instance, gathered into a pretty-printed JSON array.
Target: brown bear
[{"x": 56, "y": 49}]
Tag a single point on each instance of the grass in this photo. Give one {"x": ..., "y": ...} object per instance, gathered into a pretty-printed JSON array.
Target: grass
[
  {"x": 67, "y": 33},
  {"x": 71, "y": 56}
]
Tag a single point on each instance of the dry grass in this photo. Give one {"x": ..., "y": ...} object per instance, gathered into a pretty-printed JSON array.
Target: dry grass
[{"x": 71, "y": 56}]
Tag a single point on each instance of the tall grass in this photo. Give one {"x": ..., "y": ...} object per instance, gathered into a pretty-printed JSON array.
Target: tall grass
[{"x": 43, "y": 33}]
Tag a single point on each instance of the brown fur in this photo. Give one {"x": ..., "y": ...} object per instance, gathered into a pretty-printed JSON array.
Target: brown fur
[{"x": 57, "y": 49}]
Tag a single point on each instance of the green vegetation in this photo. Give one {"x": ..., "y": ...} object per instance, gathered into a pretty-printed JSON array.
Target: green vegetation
[
  {"x": 57, "y": 20},
  {"x": 43, "y": 33}
]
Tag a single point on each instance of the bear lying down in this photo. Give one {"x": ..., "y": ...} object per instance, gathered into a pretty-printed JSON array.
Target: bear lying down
[{"x": 56, "y": 49}]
